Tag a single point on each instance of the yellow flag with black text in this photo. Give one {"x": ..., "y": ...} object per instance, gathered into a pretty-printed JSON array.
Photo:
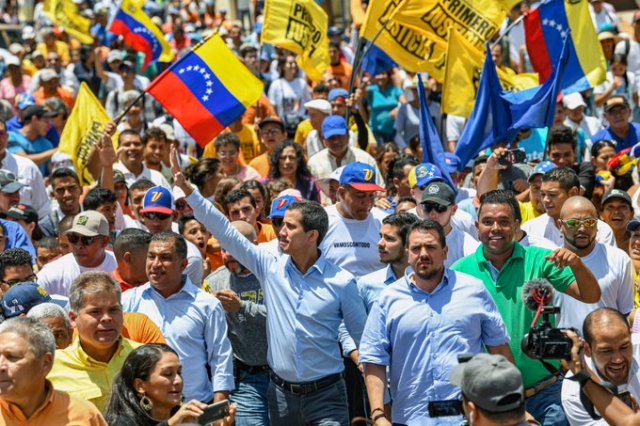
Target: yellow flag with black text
[
  {"x": 301, "y": 27},
  {"x": 64, "y": 13},
  {"x": 416, "y": 35},
  {"x": 82, "y": 130},
  {"x": 462, "y": 75}
]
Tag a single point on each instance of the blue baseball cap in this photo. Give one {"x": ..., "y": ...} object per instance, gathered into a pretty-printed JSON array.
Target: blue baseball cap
[
  {"x": 337, "y": 93},
  {"x": 453, "y": 162},
  {"x": 541, "y": 169},
  {"x": 157, "y": 200},
  {"x": 334, "y": 125},
  {"x": 423, "y": 174},
  {"x": 280, "y": 205},
  {"x": 24, "y": 100},
  {"x": 360, "y": 176},
  {"x": 20, "y": 298}
]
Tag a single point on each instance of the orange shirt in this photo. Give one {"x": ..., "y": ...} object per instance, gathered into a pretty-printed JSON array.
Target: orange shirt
[
  {"x": 124, "y": 286},
  {"x": 59, "y": 408},
  {"x": 262, "y": 164},
  {"x": 260, "y": 109},
  {"x": 342, "y": 72},
  {"x": 265, "y": 233},
  {"x": 61, "y": 93},
  {"x": 139, "y": 328}
]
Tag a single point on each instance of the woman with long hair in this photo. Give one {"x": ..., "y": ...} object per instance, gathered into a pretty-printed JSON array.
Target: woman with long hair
[
  {"x": 148, "y": 391},
  {"x": 205, "y": 174},
  {"x": 287, "y": 161}
]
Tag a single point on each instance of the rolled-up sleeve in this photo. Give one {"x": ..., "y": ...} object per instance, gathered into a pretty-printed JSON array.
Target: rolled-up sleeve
[
  {"x": 219, "y": 352},
  {"x": 375, "y": 346}
]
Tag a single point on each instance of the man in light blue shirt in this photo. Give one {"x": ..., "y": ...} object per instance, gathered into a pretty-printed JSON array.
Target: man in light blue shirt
[
  {"x": 307, "y": 298},
  {"x": 192, "y": 321},
  {"x": 418, "y": 326}
]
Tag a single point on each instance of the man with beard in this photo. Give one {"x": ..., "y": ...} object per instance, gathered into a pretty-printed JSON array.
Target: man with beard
[
  {"x": 242, "y": 299},
  {"x": 610, "y": 265},
  {"x": 609, "y": 351},
  {"x": 504, "y": 266},
  {"x": 462, "y": 318}
]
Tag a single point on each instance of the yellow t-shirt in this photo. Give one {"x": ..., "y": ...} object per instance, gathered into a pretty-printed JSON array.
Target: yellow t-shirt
[
  {"x": 527, "y": 211},
  {"x": 303, "y": 130},
  {"x": 262, "y": 164}
]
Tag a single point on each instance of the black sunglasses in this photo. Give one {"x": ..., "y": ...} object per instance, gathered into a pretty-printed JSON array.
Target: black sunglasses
[
  {"x": 428, "y": 207},
  {"x": 154, "y": 216},
  {"x": 86, "y": 241}
]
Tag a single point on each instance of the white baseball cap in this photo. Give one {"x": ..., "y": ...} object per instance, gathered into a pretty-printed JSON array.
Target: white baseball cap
[
  {"x": 321, "y": 105},
  {"x": 573, "y": 101}
]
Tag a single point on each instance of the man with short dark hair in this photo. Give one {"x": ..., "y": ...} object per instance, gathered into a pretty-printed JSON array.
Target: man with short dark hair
[
  {"x": 303, "y": 289},
  {"x": 48, "y": 249},
  {"x": 130, "y": 160},
  {"x": 563, "y": 151},
  {"x": 103, "y": 201},
  {"x": 66, "y": 190},
  {"x": 617, "y": 113},
  {"x": 467, "y": 321},
  {"x": 89, "y": 238},
  {"x": 30, "y": 141},
  {"x": 15, "y": 267},
  {"x": 136, "y": 195},
  {"x": 192, "y": 321},
  {"x": 610, "y": 352},
  {"x": 557, "y": 186},
  {"x": 240, "y": 205},
  {"x": 130, "y": 250}
]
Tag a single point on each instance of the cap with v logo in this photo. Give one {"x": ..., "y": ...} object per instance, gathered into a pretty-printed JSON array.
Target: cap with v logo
[
  {"x": 361, "y": 177},
  {"x": 157, "y": 200}
]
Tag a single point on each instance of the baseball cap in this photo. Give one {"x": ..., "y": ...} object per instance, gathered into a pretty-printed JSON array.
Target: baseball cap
[
  {"x": 619, "y": 194},
  {"x": 12, "y": 60},
  {"x": 61, "y": 160},
  {"x": 274, "y": 119},
  {"x": 573, "y": 101},
  {"x": 9, "y": 183},
  {"x": 325, "y": 183},
  {"x": 28, "y": 33},
  {"x": 20, "y": 298},
  {"x": 615, "y": 101},
  {"x": 24, "y": 100},
  {"x": 321, "y": 105},
  {"x": 168, "y": 131},
  {"x": 118, "y": 177},
  {"x": 335, "y": 94},
  {"x": 541, "y": 169},
  {"x": 633, "y": 225},
  {"x": 491, "y": 382},
  {"x": 334, "y": 125},
  {"x": 453, "y": 162},
  {"x": 440, "y": 193},
  {"x": 360, "y": 176},
  {"x": 423, "y": 174},
  {"x": 334, "y": 31},
  {"x": 157, "y": 200},
  {"x": 48, "y": 74},
  {"x": 280, "y": 205},
  {"x": 114, "y": 55},
  {"x": 23, "y": 212},
  {"x": 36, "y": 111},
  {"x": 89, "y": 223}
]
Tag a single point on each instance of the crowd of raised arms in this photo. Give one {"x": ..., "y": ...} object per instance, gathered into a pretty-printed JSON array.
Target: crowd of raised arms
[{"x": 327, "y": 258}]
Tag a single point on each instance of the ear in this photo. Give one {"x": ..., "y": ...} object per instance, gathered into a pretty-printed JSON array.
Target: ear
[
  {"x": 395, "y": 181},
  {"x": 127, "y": 257},
  {"x": 559, "y": 223},
  {"x": 47, "y": 362},
  {"x": 313, "y": 236},
  {"x": 454, "y": 209},
  {"x": 574, "y": 191},
  {"x": 72, "y": 318},
  {"x": 31, "y": 226},
  {"x": 587, "y": 349},
  {"x": 183, "y": 264},
  {"x": 138, "y": 386}
]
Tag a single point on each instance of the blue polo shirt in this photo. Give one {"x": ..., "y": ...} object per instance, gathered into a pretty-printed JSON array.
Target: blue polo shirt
[
  {"x": 18, "y": 144},
  {"x": 632, "y": 138}
]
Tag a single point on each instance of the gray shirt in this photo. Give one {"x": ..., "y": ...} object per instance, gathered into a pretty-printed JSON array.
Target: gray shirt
[{"x": 247, "y": 328}]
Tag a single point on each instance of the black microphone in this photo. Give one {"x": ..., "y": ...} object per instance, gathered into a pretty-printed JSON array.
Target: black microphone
[{"x": 536, "y": 291}]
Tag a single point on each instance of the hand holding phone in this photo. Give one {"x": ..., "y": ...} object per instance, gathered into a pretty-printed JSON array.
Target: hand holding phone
[
  {"x": 512, "y": 156},
  {"x": 214, "y": 412}
]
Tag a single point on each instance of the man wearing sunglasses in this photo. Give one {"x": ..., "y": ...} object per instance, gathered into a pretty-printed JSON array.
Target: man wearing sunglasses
[
  {"x": 610, "y": 265},
  {"x": 278, "y": 207},
  {"x": 157, "y": 215},
  {"x": 438, "y": 204},
  {"x": 89, "y": 238}
]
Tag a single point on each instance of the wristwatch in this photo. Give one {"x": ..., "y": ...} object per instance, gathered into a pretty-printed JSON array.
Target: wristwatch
[{"x": 582, "y": 377}]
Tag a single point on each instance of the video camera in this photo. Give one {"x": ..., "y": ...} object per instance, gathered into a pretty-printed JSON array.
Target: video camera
[{"x": 543, "y": 340}]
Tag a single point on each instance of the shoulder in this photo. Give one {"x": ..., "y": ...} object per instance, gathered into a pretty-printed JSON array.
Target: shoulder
[
  {"x": 614, "y": 253},
  {"x": 466, "y": 281},
  {"x": 76, "y": 407}
]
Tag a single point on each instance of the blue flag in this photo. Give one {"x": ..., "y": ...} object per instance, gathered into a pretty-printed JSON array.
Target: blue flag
[
  {"x": 376, "y": 61},
  {"x": 498, "y": 116},
  {"x": 432, "y": 151}
]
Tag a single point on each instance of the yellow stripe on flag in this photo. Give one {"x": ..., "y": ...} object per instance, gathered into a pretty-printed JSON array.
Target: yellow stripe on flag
[
  {"x": 301, "y": 27},
  {"x": 586, "y": 42}
]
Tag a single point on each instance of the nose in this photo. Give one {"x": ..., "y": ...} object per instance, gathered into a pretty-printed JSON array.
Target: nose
[{"x": 381, "y": 243}]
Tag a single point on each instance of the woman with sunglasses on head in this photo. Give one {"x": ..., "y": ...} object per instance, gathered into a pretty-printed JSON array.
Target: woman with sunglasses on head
[
  {"x": 287, "y": 161},
  {"x": 148, "y": 392}
]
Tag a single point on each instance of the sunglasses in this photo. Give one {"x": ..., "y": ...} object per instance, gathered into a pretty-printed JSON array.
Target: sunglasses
[
  {"x": 158, "y": 216},
  {"x": 86, "y": 241},
  {"x": 577, "y": 223},
  {"x": 429, "y": 207}
]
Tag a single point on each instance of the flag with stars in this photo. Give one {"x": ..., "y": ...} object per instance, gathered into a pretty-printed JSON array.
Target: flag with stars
[
  {"x": 139, "y": 32},
  {"x": 546, "y": 29},
  {"x": 207, "y": 89}
]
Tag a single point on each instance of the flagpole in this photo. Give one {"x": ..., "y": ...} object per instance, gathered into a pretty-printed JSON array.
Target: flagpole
[
  {"x": 509, "y": 28},
  {"x": 119, "y": 118}
]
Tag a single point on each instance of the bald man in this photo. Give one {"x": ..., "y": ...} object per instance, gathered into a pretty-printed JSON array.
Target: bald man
[
  {"x": 242, "y": 299},
  {"x": 578, "y": 223},
  {"x": 609, "y": 349}
]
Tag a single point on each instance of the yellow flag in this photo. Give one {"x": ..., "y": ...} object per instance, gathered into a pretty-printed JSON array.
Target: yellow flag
[
  {"x": 462, "y": 75},
  {"x": 64, "y": 13},
  {"x": 416, "y": 36},
  {"x": 82, "y": 130},
  {"x": 301, "y": 27}
]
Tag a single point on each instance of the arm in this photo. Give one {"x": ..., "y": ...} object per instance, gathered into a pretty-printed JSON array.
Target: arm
[
  {"x": 585, "y": 288},
  {"x": 375, "y": 378},
  {"x": 363, "y": 135},
  {"x": 353, "y": 311},
  {"x": 40, "y": 158},
  {"x": 490, "y": 176},
  {"x": 503, "y": 350},
  {"x": 107, "y": 155}
]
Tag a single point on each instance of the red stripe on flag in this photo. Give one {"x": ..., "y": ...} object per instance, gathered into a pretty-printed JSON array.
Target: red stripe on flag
[
  {"x": 176, "y": 98},
  {"x": 537, "y": 46},
  {"x": 137, "y": 42}
]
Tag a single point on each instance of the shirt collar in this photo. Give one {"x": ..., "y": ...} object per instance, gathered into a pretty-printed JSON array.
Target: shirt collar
[
  {"x": 518, "y": 253},
  {"x": 319, "y": 265},
  {"x": 390, "y": 276},
  {"x": 85, "y": 359},
  {"x": 443, "y": 282}
]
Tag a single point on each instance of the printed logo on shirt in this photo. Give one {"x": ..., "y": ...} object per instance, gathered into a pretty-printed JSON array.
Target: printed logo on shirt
[
  {"x": 252, "y": 296},
  {"x": 350, "y": 244}
]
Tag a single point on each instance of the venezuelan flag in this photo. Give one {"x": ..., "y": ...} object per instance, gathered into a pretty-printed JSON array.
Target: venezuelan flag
[
  {"x": 547, "y": 26},
  {"x": 207, "y": 89},
  {"x": 139, "y": 32}
]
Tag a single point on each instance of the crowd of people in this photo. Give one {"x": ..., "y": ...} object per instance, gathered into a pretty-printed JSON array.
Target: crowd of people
[{"x": 307, "y": 265}]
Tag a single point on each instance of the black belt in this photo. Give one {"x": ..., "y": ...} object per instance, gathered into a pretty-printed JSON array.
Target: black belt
[
  {"x": 305, "y": 388},
  {"x": 251, "y": 369}
]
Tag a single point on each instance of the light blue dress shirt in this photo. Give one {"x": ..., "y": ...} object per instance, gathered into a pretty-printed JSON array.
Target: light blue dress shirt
[
  {"x": 419, "y": 335},
  {"x": 305, "y": 310},
  {"x": 194, "y": 325}
]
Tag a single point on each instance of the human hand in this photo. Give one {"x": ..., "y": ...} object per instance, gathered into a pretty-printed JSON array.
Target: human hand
[
  {"x": 562, "y": 257},
  {"x": 575, "y": 363},
  {"x": 492, "y": 161},
  {"x": 188, "y": 413},
  {"x": 382, "y": 203},
  {"x": 178, "y": 177},
  {"x": 107, "y": 154},
  {"x": 230, "y": 301}
]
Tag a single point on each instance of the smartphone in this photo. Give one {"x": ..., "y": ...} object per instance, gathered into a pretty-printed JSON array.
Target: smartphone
[
  {"x": 512, "y": 156},
  {"x": 445, "y": 408},
  {"x": 214, "y": 412}
]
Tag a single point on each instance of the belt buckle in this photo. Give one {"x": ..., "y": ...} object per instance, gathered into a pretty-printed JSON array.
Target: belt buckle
[{"x": 295, "y": 388}]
